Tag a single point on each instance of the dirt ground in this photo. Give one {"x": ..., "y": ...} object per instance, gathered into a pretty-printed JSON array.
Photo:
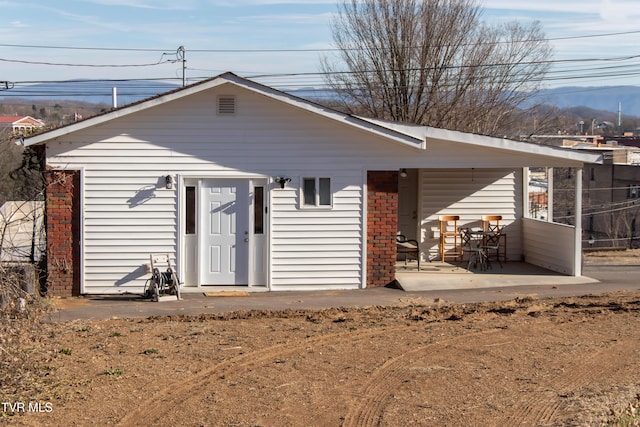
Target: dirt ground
[{"x": 528, "y": 362}]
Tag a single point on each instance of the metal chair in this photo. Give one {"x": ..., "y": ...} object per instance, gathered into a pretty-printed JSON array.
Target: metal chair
[
  {"x": 491, "y": 224},
  {"x": 491, "y": 243},
  {"x": 408, "y": 247},
  {"x": 448, "y": 233}
]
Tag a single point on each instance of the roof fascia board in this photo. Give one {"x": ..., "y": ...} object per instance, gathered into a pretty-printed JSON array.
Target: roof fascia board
[{"x": 511, "y": 145}]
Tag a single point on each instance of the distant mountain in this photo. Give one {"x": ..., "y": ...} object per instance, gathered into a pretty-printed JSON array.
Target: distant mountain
[
  {"x": 605, "y": 98},
  {"x": 92, "y": 91}
]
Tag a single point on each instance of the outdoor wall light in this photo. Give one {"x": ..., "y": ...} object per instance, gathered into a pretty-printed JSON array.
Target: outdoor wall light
[
  {"x": 282, "y": 180},
  {"x": 168, "y": 182},
  {"x": 403, "y": 172}
]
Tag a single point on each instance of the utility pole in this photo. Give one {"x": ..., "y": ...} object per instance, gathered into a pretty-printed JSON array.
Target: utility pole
[{"x": 182, "y": 55}]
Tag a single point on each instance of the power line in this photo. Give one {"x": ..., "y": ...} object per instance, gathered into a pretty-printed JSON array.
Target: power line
[
  {"x": 117, "y": 49},
  {"x": 19, "y": 61},
  {"x": 121, "y": 49},
  {"x": 621, "y": 68},
  {"x": 606, "y": 211}
]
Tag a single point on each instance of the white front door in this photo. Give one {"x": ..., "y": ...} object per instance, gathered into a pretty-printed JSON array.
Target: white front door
[{"x": 224, "y": 244}]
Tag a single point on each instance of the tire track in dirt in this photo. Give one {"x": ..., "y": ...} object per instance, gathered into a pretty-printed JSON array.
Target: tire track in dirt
[
  {"x": 167, "y": 399},
  {"x": 536, "y": 408},
  {"x": 542, "y": 409},
  {"x": 386, "y": 379}
]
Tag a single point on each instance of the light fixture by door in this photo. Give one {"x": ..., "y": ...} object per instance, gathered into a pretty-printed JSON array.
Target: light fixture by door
[
  {"x": 403, "y": 172},
  {"x": 168, "y": 182},
  {"x": 282, "y": 180}
]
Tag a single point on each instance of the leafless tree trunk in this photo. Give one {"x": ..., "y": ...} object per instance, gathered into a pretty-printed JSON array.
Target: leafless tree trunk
[{"x": 434, "y": 62}]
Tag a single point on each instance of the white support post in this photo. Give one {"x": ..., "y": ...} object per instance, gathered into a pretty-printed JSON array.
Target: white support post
[
  {"x": 578, "y": 224},
  {"x": 549, "y": 194},
  {"x": 526, "y": 208}
]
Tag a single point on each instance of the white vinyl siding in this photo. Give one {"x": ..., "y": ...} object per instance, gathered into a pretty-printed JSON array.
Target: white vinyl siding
[
  {"x": 470, "y": 193},
  {"x": 318, "y": 248},
  {"x": 128, "y": 213},
  {"x": 549, "y": 245}
]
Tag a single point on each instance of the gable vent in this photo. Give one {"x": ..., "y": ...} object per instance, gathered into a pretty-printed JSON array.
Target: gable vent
[{"x": 226, "y": 105}]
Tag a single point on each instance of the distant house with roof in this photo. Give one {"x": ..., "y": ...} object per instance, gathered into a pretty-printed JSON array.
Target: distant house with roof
[{"x": 20, "y": 125}]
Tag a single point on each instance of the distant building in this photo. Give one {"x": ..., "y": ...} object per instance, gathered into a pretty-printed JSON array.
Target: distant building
[
  {"x": 610, "y": 197},
  {"x": 20, "y": 125}
]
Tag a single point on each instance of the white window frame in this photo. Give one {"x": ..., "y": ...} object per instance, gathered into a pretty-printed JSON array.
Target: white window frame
[{"x": 316, "y": 204}]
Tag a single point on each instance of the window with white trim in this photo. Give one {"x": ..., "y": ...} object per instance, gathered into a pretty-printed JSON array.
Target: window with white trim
[
  {"x": 316, "y": 192},
  {"x": 259, "y": 209},
  {"x": 190, "y": 210}
]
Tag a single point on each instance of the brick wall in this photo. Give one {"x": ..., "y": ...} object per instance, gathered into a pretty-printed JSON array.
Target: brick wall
[
  {"x": 382, "y": 226},
  {"x": 62, "y": 218}
]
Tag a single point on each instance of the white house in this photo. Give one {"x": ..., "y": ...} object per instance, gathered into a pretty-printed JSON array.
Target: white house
[{"x": 245, "y": 185}]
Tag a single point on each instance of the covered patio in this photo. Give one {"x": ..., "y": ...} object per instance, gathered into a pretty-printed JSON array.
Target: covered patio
[
  {"x": 470, "y": 177},
  {"x": 438, "y": 275}
]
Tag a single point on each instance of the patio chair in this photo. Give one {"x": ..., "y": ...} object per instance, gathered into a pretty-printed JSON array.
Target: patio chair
[
  {"x": 491, "y": 244},
  {"x": 472, "y": 245},
  {"x": 448, "y": 245},
  {"x": 491, "y": 223},
  {"x": 408, "y": 247}
]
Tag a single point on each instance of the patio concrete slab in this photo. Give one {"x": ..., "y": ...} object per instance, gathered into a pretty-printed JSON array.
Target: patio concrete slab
[{"x": 446, "y": 276}]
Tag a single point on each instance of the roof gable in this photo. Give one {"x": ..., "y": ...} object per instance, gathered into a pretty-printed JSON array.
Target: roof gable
[
  {"x": 228, "y": 78},
  {"x": 414, "y": 136},
  {"x": 26, "y": 120}
]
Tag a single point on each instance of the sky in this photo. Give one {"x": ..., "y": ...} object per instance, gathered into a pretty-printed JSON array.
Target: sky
[{"x": 276, "y": 42}]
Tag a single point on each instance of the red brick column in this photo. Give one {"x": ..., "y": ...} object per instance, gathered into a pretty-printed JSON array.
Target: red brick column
[
  {"x": 62, "y": 218},
  {"x": 382, "y": 226}
]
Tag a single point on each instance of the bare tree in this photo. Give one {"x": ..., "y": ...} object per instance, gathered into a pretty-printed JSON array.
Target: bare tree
[{"x": 434, "y": 62}]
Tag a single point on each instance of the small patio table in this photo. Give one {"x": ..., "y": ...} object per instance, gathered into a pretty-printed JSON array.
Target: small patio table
[{"x": 472, "y": 240}]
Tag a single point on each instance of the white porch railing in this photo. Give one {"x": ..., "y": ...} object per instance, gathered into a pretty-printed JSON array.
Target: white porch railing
[{"x": 550, "y": 245}]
